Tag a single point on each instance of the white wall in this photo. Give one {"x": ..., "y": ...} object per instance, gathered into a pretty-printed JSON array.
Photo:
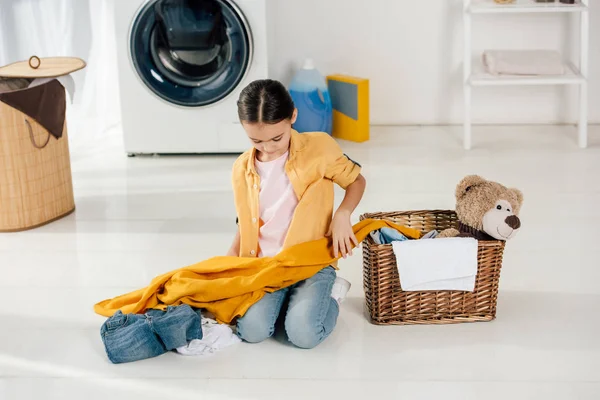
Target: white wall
[{"x": 411, "y": 50}]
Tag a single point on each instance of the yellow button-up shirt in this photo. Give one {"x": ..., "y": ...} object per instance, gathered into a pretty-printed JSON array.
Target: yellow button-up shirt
[{"x": 314, "y": 163}]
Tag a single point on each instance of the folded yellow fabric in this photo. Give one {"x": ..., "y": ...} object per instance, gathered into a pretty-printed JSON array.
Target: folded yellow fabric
[{"x": 228, "y": 286}]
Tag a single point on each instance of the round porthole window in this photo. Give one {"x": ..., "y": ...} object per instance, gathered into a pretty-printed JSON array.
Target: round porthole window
[{"x": 190, "y": 53}]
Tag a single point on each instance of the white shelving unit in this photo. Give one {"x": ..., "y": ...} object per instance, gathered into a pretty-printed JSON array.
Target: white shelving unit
[{"x": 575, "y": 75}]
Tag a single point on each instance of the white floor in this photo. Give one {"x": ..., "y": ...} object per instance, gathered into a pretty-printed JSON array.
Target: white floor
[{"x": 139, "y": 217}]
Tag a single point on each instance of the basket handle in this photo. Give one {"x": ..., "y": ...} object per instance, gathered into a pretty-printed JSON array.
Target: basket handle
[
  {"x": 33, "y": 139},
  {"x": 37, "y": 60}
]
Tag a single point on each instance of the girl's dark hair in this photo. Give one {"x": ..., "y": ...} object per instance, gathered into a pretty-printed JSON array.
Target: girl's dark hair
[{"x": 265, "y": 101}]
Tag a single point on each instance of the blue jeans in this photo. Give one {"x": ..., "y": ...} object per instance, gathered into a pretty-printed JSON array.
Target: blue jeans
[
  {"x": 310, "y": 317},
  {"x": 134, "y": 337}
]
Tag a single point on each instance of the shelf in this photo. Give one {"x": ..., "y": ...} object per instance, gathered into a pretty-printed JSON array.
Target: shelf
[
  {"x": 524, "y": 6},
  {"x": 480, "y": 77},
  {"x": 476, "y": 75}
]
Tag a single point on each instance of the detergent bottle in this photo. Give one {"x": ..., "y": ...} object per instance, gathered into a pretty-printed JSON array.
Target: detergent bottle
[{"x": 311, "y": 97}]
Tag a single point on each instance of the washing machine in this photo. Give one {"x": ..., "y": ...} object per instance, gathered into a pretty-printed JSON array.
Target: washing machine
[{"x": 182, "y": 65}]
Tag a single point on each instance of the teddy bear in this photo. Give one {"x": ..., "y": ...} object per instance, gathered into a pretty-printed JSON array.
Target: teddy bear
[{"x": 486, "y": 210}]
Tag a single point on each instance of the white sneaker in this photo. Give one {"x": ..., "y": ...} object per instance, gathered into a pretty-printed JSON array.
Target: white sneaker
[{"x": 340, "y": 289}]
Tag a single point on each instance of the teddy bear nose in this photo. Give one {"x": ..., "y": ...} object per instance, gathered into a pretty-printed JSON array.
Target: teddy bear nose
[{"x": 513, "y": 221}]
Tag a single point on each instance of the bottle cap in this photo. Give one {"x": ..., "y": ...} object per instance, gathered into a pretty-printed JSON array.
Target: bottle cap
[{"x": 309, "y": 64}]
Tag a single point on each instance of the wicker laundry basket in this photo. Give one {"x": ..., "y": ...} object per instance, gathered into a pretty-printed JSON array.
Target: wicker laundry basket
[
  {"x": 35, "y": 170},
  {"x": 388, "y": 304}
]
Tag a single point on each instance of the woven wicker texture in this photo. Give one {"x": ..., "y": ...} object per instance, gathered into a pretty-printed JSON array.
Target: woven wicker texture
[
  {"x": 35, "y": 182},
  {"x": 388, "y": 304}
]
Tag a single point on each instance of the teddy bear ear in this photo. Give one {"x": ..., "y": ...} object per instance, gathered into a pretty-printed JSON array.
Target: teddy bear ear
[
  {"x": 467, "y": 183},
  {"x": 518, "y": 194}
]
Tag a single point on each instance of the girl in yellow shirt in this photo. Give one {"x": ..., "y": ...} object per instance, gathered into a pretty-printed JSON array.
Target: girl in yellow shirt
[{"x": 283, "y": 192}]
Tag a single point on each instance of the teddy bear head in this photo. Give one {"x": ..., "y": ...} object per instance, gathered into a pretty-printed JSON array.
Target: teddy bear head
[{"x": 489, "y": 207}]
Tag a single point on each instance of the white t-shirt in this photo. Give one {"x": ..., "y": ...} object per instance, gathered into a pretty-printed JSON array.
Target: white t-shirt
[{"x": 277, "y": 202}]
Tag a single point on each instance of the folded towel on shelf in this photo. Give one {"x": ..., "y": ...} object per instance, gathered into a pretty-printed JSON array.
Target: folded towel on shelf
[
  {"x": 523, "y": 62},
  {"x": 440, "y": 264}
]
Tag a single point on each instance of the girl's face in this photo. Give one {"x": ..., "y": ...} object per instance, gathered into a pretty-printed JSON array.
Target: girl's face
[{"x": 270, "y": 140}]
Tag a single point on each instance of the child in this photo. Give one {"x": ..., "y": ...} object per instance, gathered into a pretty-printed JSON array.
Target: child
[{"x": 283, "y": 192}]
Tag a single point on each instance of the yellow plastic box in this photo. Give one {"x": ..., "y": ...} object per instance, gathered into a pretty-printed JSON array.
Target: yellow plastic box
[{"x": 350, "y": 99}]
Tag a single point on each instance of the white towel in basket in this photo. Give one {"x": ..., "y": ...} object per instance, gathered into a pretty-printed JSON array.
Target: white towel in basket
[{"x": 437, "y": 264}]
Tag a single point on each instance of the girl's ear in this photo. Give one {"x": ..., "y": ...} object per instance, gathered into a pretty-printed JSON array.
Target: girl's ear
[{"x": 294, "y": 115}]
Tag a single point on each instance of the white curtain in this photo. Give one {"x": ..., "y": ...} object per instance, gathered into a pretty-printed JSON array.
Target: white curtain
[{"x": 79, "y": 28}]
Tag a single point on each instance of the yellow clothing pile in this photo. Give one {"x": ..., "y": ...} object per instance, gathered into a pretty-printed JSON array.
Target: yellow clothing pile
[{"x": 228, "y": 286}]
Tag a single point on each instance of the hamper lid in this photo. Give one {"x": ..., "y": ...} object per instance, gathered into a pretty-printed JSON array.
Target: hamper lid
[{"x": 46, "y": 67}]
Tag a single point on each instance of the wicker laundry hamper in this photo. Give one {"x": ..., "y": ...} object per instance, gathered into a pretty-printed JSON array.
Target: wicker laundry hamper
[
  {"x": 388, "y": 304},
  {"x": 35, "y": 170}
]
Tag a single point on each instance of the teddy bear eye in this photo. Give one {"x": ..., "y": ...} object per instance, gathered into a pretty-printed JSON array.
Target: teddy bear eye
[
  {"x": 508, "y": 209},
  {"x": 499, "y": 207}
]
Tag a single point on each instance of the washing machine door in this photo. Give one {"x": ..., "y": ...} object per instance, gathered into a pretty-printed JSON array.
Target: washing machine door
[{"x": 190, "y": 52}]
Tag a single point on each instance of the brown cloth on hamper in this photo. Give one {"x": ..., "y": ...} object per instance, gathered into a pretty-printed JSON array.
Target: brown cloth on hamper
[{"x": 46, "y": 104}]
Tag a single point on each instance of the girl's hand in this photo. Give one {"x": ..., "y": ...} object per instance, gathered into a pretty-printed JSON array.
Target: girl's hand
[{"x": 342, "y": 234}]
